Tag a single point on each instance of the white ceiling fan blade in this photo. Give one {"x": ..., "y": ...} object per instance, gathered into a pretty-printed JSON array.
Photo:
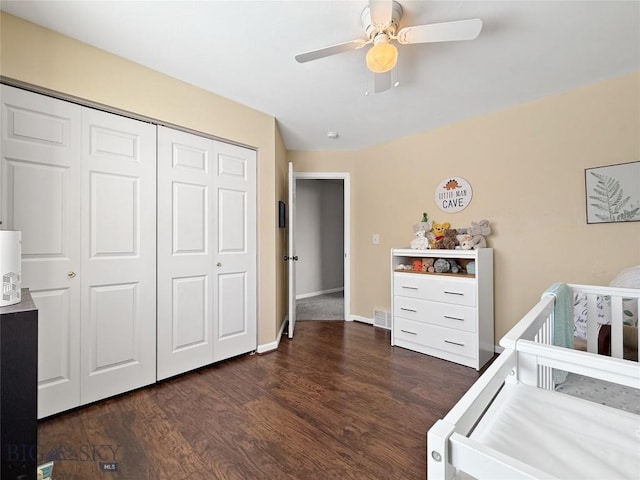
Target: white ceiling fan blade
[
  {"x": 380, "y": 11},
  {"x": 441, "y": 32},
  {"x": 385, "y": 81},
  {"x": 381, "y": 82},
  {"x": 327, "y": 51}
]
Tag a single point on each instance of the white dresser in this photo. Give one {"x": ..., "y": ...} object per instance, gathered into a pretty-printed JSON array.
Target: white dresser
[{"x": 447, "y": 315}]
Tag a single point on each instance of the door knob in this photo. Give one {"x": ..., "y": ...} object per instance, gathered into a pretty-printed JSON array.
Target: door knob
[
  {"x": 218, "y": 264},
  {"x": 71, "y": 274}
]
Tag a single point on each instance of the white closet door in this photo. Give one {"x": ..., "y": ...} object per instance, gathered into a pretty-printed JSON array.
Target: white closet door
[
  {"x": 40, "y": 152},
  {"x": 118, "y": 254},
  {"x": 234, "y": 316},
  {"x": 186, "y": 213}
]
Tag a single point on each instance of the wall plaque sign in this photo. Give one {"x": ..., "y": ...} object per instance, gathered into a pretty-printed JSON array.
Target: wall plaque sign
[{"x": 453, "y": 194}]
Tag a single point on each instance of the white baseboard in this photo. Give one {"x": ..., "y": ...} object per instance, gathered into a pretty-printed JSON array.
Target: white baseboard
[
  {"x": 269, "y": 347},
  {"x": 322, "y": 292},
  {"x": 358, "y": 318}
]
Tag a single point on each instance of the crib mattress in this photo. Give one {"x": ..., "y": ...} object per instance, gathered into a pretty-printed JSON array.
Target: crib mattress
[{"x": 564, "y": 436}]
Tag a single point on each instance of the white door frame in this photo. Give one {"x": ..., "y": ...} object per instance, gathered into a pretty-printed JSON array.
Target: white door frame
[{"x": 346, "y": 178}]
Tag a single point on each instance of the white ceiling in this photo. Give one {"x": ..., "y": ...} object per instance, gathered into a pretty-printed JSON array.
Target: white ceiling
[{"x": 244, "y": 50}]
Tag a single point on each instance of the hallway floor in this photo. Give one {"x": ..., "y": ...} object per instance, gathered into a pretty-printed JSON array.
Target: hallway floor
[{"x": 329, "y": 306}]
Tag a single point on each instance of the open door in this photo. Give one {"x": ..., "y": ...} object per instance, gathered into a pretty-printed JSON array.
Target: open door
[{"x": 291, "y": 251}]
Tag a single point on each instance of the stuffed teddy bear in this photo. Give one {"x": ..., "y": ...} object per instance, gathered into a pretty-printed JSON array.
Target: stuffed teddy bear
[
  {"x": 420, "y": 242},
  {"x": 449, "y": 240},
  {"x": 438, "y": 231},
  {"x": 427, "y": 265}
]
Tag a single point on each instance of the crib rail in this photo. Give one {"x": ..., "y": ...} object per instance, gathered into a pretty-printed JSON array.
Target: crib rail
[
  {"x": 536, "y": 328},
  {"x": 616, "y": 296}
]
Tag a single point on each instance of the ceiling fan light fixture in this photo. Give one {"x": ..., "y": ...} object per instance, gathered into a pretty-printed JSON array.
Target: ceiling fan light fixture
[{"x": 382, "y": 57}]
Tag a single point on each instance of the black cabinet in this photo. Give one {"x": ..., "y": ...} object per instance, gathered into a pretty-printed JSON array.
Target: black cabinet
[{"x": 19, "y": 389}]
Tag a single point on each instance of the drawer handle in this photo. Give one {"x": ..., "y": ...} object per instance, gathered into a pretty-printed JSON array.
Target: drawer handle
[
  {"x": 410, "y": 288},
  {"x": 454, "y": 293},
  {"x": 407, "y": 331},
  {"x": 454, "y": 343},
  {"x": 454, "y": 318},
  {"x": 408, "y": 309}
]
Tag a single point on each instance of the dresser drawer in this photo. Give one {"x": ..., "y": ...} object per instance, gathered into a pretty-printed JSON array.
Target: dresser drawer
[
  {"x": 438, "y": 288},
  {"x": 434, "y": 336},
  {"x": 459, "y": 317}
]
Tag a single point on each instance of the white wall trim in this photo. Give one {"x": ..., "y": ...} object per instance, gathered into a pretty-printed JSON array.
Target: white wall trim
[
  {"x": 358, "y": 318},
  {"x": 317, "y": 294},
  {"x": 269, "y": 347}
]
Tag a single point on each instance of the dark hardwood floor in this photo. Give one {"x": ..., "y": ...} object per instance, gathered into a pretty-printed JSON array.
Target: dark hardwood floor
[{"x": 336, "y": 402}]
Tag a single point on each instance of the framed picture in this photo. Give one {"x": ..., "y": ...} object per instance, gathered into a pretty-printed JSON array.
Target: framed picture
[{"x": 613, "y": 193}]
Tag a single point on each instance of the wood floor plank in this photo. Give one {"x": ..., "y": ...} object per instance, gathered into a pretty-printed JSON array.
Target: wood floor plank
[{"x": 337, "y": 401}]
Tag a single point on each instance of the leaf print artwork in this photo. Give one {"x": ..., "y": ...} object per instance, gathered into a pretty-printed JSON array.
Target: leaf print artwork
[{"x": 613, "y": 193}]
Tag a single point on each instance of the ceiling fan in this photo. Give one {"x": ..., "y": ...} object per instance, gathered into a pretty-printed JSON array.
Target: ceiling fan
[{"x": 380, "y": 21}]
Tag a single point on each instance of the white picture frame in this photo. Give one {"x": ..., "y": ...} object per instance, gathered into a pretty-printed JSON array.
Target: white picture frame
[{"x": 613, "y": 193}]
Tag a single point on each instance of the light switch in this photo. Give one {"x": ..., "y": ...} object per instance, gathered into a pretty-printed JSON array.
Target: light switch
[{"x": 376, "y": 239}]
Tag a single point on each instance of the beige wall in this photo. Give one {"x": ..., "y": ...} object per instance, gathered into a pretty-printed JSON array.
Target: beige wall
[
  {"x": 46, "y": 59},
  {"x": 526, "y": 167}
]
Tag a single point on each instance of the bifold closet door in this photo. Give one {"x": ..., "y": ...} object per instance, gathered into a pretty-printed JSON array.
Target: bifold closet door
[
  {"x": 118, "y": 218},
  {"x": 81, "y": 186},
  {"x": 185, "y": 251},
  {"x": 207, "y": 268},
  {"x": 235, "y": 272},
  {"x": 40, "y": 154}
]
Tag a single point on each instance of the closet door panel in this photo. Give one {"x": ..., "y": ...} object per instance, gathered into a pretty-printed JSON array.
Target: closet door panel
[
  {"x": 185, "y": 252},
  {"x": 118, "y": 254},
  {"x": 235, "y": 318},
  {"x": 40, "y": 185}
]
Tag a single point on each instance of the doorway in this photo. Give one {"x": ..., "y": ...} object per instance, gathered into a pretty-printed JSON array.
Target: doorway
[{"x": 322, "y": 239}]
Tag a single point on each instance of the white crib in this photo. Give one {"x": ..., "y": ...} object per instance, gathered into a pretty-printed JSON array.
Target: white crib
[{"x": 513, "y": 424}]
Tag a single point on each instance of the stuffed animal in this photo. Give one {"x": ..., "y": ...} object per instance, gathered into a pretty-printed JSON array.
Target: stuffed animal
[
  {"x": 478, "y": 231},
  {"x": 420, "y": 242},
  {"x": 478, "y": 242},
  {"x": 480, "y": 228},
  {"x": 441, "y": 265},
  {"x": 425, "y": 224},
  {"x": 466, "y": 242},
  {"x": 427, "y": 265},
  {"x": 449, "y": 240},
  {"x": 453, "y": 266},
  {"x": 438, "y": 231},
  {"x": 417, "y": 264},
  {"x": 471, "y": 268},
  {"x": 425, "y": 227}
]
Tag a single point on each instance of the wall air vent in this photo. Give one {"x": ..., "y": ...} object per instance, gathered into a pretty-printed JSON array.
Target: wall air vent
[{"x": 381, "y": 319}]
